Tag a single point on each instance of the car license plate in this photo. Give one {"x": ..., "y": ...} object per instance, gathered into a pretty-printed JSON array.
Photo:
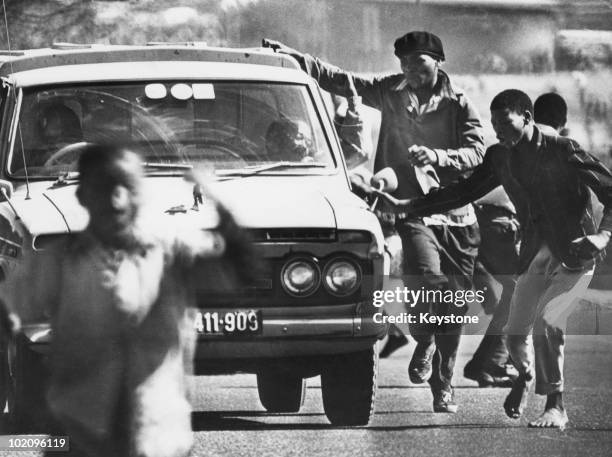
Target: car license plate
[{"x": 237, "y": 322}]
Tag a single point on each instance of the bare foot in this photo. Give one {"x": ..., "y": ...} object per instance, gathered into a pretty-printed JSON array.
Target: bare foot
[
  {"x": 516, "y": 400},
  {"x": 551, "y": 418}
]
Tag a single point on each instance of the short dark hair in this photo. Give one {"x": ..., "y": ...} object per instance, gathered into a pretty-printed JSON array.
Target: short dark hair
[
  {"x": 512, "y": 99},
  {"x": 550, "y": 109},
  {"x": 98, "y": 162}
]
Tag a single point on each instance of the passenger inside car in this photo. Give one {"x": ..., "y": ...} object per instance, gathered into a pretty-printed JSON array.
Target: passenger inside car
[{"x": 289, "y": 140}]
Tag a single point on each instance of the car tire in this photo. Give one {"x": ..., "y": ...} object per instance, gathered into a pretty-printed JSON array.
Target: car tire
[
  {"x": 348, "y": 385},
  {"x": 281, "y": 392},
  {"x": 27, "y": 406}
]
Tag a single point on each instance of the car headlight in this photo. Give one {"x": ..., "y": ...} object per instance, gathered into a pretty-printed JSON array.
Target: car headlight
[
  {"x": 300, "y": 277},
  {"x": 342, "y": 277}
]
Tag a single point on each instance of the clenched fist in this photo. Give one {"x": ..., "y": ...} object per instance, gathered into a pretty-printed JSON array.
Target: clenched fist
[{"x": 422, "y": 155}]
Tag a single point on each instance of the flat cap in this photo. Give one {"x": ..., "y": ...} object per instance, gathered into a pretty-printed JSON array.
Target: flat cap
[{"x": 419, "y": 42}]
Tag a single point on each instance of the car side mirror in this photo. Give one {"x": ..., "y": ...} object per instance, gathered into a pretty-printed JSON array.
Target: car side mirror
[{"x": 6, "y": 190}]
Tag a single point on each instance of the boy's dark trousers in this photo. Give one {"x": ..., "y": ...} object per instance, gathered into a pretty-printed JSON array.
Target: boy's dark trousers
[{"x": 438, "y": 257}]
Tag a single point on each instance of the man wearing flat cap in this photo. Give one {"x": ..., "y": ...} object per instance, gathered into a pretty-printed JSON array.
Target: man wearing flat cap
[{"x": 428, "y": 128}]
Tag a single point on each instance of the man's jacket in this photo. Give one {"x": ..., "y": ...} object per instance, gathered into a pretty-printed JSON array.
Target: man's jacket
[
  {"x": 449, "y": 124},
  {"x": 552, "y": 188}
]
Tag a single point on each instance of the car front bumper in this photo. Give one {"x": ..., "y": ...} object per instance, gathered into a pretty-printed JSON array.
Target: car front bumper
[
  {"x": 285, "y": 332},
  {"x": 299, "y": 331}
]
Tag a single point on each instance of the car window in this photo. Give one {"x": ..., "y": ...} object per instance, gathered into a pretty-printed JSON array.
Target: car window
[{"x": 224, "y": 125}]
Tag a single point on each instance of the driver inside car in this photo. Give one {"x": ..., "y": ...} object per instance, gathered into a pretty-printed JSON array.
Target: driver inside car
[
  {"x": 59, "y": 127},
  {"x": 289, "y": 140}
]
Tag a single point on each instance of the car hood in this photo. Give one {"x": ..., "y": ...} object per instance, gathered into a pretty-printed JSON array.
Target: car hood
[{"x": 255, "y": 202}]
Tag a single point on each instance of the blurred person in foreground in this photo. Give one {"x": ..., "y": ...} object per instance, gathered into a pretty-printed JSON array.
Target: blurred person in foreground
[
  {"x": 552, "y": 183},
  {"x": 121, "y": 298},
  {"x": 430, "y": 130}
]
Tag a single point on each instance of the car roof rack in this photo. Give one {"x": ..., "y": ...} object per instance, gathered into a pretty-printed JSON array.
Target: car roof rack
[
  {"x": 61, "y": 54},
  {"x": 202, "y": 44},
  {"x": 64, "y": 45}
]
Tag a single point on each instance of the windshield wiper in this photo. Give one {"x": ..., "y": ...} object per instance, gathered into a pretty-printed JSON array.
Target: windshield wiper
[
  {"x": 269, "y": 167},
  {"x": 169, "y": 166}
]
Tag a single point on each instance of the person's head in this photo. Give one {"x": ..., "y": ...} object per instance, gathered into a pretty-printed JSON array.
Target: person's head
[
  {"x": 511, "y": 116},
  {"x": 59, "y": 124},
  {"x": 420, "y": 55},
  {"x": 550, "y": 109},
  {"x": 288, "y": 140},
  {"x": 110, "y": 188}
]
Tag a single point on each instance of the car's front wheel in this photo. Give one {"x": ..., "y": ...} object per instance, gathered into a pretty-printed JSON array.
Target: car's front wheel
[
  {"x": 348, "y": 385},
  {"x": 281, "y": 392}
]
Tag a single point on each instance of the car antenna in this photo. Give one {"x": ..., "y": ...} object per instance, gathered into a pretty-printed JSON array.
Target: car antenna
[
  {"x": 8, "y": 200},
  {"x": 8, "y": 44}
]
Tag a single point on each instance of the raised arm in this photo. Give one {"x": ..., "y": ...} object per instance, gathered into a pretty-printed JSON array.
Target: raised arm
[{"x": 332, "y": 78}]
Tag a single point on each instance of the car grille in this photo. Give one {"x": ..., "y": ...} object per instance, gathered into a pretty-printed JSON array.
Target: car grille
[{"x": 293, "y": 235}]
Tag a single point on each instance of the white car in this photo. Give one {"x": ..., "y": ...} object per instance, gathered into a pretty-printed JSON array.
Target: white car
[{"x": 260, "y": 125}]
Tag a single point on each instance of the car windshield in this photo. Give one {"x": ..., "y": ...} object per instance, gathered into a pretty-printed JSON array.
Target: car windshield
[{"x": 232, "y": 127}]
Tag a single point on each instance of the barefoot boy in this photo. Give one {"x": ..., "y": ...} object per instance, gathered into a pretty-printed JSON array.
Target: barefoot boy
[{"x": 548, "y": 179}]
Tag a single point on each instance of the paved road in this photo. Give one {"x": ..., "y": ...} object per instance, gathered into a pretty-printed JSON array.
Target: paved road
[{"x": 230, "y": 420}]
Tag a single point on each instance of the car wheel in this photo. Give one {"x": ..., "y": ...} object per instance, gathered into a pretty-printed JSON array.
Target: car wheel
[
  {"x": 281, "y": 392},
  {"x": 348, "y": 385},
  {"x": 26, "y": 399}
]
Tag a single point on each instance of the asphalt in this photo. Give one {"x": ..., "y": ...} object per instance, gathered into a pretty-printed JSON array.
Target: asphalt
[{"x": 229, "y": 420}]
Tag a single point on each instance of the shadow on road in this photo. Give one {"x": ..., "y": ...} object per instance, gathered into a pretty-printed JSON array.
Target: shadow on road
[{"x": 235, "y": 420}]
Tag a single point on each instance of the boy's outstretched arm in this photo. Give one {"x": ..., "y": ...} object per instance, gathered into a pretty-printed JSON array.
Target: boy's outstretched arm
[{"x": 460, "y": 193}]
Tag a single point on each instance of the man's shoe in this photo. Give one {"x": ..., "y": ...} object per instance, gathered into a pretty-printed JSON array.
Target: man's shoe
[
  {"x": 494, "y": 376},
  {"x": 394, "y": 342},
  {"x": 444, "y": 401},
  {"x": 419, "y": 370}
]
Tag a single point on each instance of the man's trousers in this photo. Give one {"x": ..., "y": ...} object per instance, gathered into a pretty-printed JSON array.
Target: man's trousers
[
  {"x": 543, "y": 298},
  {"x": 439, "y": 257}
]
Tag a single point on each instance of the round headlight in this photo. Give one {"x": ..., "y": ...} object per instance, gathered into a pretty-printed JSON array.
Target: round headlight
[
  {"x": 300, "y": 277},
  {"x": 342, "y": 277}
]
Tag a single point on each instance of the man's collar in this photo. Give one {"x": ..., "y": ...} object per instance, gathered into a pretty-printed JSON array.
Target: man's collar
[
  {"x": 536, "y": 140},
  {"x": 547, "y": 130},
  {"x": 401, "y": 85},
  {"x": 529, "y": 146},
  {"x": 443, "y": 88}
]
